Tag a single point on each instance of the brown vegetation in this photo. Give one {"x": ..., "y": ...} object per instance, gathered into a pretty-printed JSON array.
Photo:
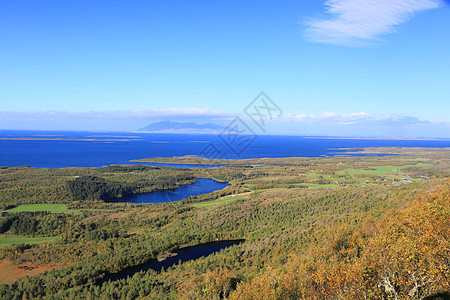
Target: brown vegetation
[{"x": 10, "y": 272}]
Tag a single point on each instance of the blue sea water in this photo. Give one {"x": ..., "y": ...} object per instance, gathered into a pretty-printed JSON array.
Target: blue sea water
[{"x": 119, "y": 148}]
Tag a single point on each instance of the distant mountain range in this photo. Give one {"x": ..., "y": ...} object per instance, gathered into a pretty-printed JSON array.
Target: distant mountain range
[{"x": 176, "y": 127}]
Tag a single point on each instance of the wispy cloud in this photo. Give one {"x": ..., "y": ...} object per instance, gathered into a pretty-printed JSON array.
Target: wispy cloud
[
  {"x": 363, "y": 124},
  {"x": 108, "y": 120},
  {"x": 357, "y": 118},
  {"x": 194, "y": 112},
  {"x": 358, "y": 22}
]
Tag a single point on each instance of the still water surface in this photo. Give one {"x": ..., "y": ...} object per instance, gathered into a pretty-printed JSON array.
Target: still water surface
[
  {"x": 182, "y": 255},
  {"x": 199, "y": 187}
]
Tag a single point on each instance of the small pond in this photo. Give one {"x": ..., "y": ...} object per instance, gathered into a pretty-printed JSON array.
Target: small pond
[{"x": 182, "y": 255}]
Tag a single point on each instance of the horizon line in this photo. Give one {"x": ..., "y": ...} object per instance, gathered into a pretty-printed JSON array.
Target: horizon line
[{"x": 329, "y": 136}]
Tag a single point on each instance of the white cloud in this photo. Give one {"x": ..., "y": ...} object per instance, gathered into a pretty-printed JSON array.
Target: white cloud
[
  {"x": 328, "y": 115},
  {"x": 299, "y": 116},
  {"x": 356, "y": 22},
  {"x": 353, "y": 118}
]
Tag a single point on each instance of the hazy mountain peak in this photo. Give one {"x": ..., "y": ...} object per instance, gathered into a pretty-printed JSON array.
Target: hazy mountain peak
[{"x": 182, "y": 127}]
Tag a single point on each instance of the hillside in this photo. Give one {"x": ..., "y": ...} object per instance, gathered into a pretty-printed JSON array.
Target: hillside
[{"x": 312, "y": 228}]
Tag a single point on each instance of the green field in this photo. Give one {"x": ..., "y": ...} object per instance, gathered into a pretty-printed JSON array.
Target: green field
[
  {"x": 54, "y": 208},
  {"x": 6, "y": 241},
  {"x": 381, "y": 170},
  {"x": 217, "y": 202},
  {"x": 37, "y": 207}
]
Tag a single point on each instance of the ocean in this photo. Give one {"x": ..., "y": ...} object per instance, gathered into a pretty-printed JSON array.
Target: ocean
[{"x": 59, "y": 149}]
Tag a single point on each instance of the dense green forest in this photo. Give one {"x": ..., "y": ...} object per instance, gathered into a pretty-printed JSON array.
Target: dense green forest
[{"x": 314, "y": 228}]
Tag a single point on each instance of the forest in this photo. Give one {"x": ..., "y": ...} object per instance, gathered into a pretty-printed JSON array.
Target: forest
[{"x": 363, "y": 227}]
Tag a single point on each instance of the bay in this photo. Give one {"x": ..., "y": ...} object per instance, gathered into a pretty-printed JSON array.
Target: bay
[{"x": 59, "y": 149}]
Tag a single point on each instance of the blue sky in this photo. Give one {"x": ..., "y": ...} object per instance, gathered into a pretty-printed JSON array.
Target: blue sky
[{"x": 354, "y": 67}]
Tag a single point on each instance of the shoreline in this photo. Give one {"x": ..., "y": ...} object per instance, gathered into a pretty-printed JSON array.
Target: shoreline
[
  {"x": 376, "y": 151},
  {"x": 193, "y": 161}
]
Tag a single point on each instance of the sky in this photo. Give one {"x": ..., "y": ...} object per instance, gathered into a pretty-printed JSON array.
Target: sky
[{"x": 338, "y": 67}]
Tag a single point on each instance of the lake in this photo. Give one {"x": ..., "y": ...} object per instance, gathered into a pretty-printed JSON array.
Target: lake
[
  {"x": 199, "y": 187},
  {"x": 182, "y": 255},
  {"x": 59, "y": 149}
]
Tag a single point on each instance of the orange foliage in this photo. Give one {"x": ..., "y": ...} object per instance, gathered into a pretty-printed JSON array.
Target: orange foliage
[{"x": 405, "y": 255}]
